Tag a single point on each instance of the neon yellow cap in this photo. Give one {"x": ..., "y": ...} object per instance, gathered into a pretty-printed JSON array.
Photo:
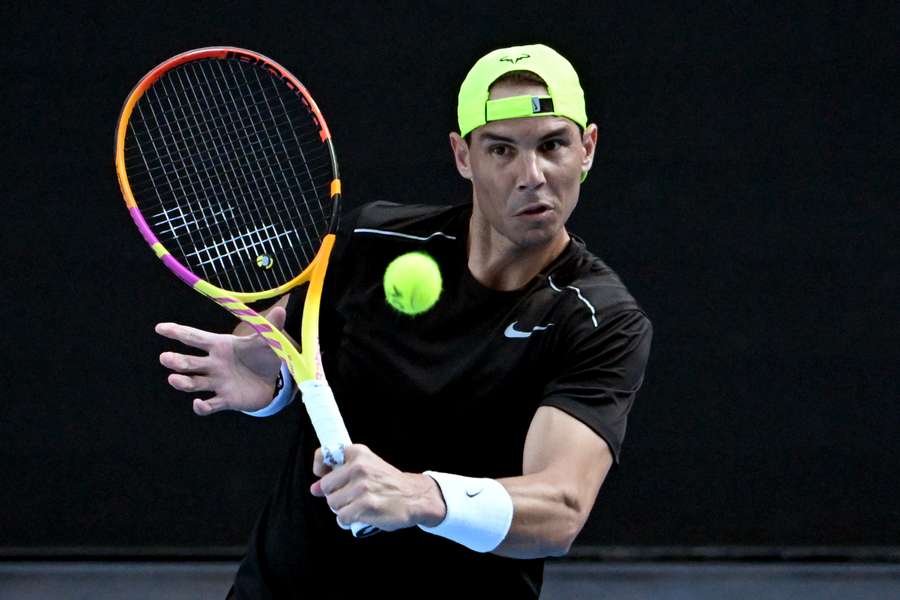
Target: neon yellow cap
[{"x": 566, "y": 98}]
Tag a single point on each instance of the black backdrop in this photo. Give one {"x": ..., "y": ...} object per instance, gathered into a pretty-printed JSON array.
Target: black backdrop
[{"x": 745, "y": 189}]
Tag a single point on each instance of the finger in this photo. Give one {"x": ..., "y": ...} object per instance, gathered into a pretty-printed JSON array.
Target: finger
[
  {"x": 190, "y": 336},
  {"x": 340, "y": 499},
  {"x": 185, "y": 383},
  {"x": 183, "y": 363},
  {"x": 320, "y": 467},
  {"x": 354, "y": 452},
  {"x": 341, "y": 524},
  {"x": 348, "y": 515},
  {"x": 323, "y": 470},
  {"x": 335, "y": 480},
  {"x": 277, "y": 316},
  {"x": 316, "y": 489},
  {"x": 208, "y": 407}
]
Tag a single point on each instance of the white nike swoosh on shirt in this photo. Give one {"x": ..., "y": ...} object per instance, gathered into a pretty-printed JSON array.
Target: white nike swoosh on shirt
[{"x": 512, "y": 332}]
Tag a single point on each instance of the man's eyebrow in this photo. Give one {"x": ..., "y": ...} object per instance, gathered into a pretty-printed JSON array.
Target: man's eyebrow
[
  {"x": 493, "y": 137},
  {"x": 558, "y": 132}
]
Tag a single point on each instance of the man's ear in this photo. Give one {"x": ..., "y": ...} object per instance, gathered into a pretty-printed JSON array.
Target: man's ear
[
  {"x": 461, "y": 155},
  {"x": 589, "y": 143}
]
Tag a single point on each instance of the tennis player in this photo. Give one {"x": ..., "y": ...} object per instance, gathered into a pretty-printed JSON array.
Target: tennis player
[{"x": 490, "y": 422}]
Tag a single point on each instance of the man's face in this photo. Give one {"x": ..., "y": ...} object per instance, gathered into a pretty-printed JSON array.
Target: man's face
[{"x": 525, "y": 173}]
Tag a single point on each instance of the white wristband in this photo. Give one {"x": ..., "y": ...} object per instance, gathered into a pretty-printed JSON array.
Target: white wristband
[
  {"x": 479, "y": 511},
  {"x": 284, "y": 397}
]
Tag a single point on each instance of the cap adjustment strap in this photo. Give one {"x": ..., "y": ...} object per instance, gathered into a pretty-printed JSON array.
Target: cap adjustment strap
[{"x": 517, "y": 106}]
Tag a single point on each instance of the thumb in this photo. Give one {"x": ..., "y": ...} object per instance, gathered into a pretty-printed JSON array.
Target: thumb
[
  {"x": 277, "y": 317},
  {"x": 204, "y": 408}
]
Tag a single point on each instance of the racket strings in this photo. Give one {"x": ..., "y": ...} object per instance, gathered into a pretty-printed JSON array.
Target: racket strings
[
  {"x": 323, "y": 172},
  {"x": 308, "y": 133},
  {"x": 223, "y": 251},
  {"x": 184, "y": 153},
  {"x": 229, "y": 165},
  {"x": 171, "y": 113},
  {"x": 163, "y": 216},
  {"x": 312, "y": 241},
  {"x": 201, "y": 210},
  {"x": 173, "y": 223}
]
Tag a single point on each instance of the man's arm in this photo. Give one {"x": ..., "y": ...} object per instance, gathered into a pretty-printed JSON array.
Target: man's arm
[{"x": 564, "y": 463}]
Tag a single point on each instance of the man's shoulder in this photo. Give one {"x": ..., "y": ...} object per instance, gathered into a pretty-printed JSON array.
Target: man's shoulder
[
  {"x": 591, "y": 281},
  {"x": 417, "y": 220}
]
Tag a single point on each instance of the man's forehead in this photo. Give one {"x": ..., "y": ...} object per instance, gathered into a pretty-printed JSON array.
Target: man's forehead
[{"x": 525, "y": 128}]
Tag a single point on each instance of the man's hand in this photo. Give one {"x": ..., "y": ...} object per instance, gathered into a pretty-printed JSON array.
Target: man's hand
[
  {"x": 367, "y": 489},
  {"x": 240, "y": 370}
]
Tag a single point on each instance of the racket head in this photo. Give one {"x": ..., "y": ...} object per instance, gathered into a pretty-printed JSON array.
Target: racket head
[{"x": 228, "y": 169}]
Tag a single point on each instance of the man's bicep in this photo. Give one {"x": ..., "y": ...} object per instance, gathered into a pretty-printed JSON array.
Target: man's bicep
[{"x": 568, "y": 454}]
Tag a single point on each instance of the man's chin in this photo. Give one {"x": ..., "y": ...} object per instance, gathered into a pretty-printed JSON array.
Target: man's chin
[{"x": 537, "y": 237}]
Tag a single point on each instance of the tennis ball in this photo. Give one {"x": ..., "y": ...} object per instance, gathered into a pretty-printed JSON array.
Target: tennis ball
[{"x": 412, "y": 283}]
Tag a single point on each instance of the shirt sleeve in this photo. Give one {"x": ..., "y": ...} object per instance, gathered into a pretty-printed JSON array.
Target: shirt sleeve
[{"x": 601, "y": 373}]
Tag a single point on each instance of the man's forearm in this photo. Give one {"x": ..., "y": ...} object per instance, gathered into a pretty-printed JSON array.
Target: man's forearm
[{"x": 546, "y": 518}]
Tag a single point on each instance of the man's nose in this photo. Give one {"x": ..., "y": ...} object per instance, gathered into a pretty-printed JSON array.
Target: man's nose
[{"x": 531, "y": 175}]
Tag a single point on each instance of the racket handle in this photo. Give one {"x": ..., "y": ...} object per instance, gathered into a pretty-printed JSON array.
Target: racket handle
[{"x": 331, "y": 431}]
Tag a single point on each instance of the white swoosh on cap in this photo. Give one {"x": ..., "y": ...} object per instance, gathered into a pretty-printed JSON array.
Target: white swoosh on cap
[{"x": 512, "y": 332}]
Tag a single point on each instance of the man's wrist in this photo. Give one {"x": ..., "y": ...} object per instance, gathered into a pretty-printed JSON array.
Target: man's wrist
[
  {"x": 282, "y": 396},
  {"x": 433, "y": 508},
  {"x": 479, "y": 511}
]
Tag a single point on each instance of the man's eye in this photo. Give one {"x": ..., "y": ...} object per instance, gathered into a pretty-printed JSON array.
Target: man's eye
[
  {"x": 551, "y": 145},
  {"x": 499, "y": 150}
]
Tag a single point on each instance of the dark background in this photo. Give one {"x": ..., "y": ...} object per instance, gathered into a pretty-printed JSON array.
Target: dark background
[{"x": 745, "y": 189}]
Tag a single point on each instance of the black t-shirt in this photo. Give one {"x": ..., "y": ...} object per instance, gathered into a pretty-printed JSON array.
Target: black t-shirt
[{"x": 451, "y": 390}]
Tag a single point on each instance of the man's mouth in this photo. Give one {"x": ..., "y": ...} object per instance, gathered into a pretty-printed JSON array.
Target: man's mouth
[{"x": 536, "y": 208}]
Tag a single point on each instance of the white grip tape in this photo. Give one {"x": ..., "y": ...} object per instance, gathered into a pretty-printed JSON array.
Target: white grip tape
[
  {"x": 326, "y": 420},
  {"x": 332, "y": 433},
  {"x": 479, "y": 511}
]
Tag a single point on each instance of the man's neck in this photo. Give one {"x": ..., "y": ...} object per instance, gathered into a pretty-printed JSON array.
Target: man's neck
[{"x": 497, "y": 264}]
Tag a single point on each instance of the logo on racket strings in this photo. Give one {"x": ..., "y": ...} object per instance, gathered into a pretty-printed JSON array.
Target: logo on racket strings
[{"x": 264, "y": 261}]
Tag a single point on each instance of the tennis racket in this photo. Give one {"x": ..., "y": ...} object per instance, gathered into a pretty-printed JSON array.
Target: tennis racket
[{"x": 229, "y": 172}]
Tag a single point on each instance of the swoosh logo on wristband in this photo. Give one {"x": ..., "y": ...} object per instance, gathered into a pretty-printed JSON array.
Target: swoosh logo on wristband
[{"x": 475, "y": 493}]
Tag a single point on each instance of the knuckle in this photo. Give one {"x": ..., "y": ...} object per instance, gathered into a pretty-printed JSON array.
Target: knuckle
[{"x": 368, "y": 503}]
